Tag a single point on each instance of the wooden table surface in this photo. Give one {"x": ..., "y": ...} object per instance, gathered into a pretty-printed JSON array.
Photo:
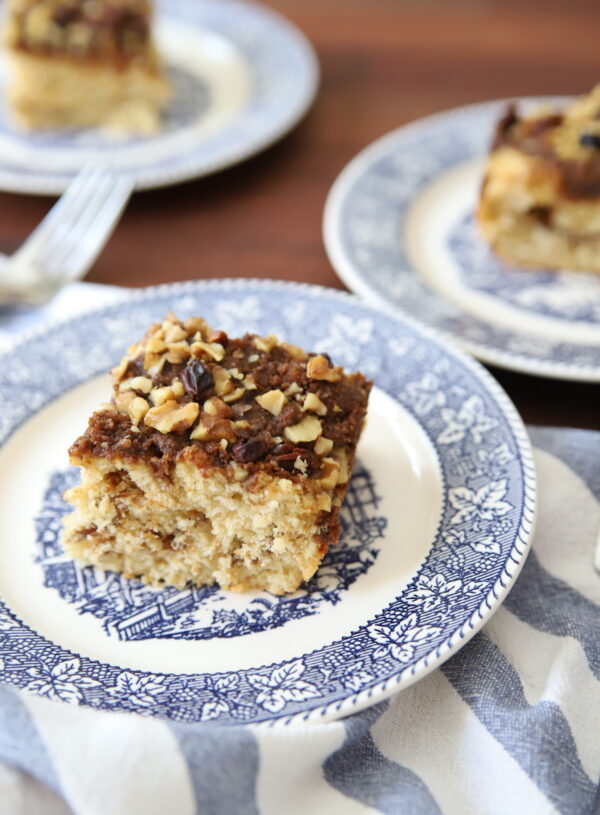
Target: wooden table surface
[{"x": 384, "y": 63}]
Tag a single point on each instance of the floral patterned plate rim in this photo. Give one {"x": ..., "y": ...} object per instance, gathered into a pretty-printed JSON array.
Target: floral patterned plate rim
[
  {"x": 400, "y": 230},
  {"x": 242, "y": 77},
  {"x": 436, "y": 529}
]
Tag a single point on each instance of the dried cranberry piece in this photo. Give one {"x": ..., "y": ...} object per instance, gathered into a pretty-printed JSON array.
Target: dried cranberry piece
[
  {"x": 287, "y": 460},
  {"x": 282, "y": 448},
  {"x": 590, "y": 140},
  {"x": 252, "y": 450},
  {"x": 197, "y": 380}
]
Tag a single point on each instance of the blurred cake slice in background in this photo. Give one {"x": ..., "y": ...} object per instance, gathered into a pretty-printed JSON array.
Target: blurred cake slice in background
[
  {"x": 540, "y": 198},
  {"x": 84, "y": 63}
]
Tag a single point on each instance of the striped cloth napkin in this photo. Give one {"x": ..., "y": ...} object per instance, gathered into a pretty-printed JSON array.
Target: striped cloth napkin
[{"x": 511, "y": 724}]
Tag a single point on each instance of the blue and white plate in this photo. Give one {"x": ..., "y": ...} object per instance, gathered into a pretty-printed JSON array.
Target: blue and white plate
[
  {"x": 242, "y": 77},
  {"x": 436, "y": 526},
  {"x": 399, "y": 228}
]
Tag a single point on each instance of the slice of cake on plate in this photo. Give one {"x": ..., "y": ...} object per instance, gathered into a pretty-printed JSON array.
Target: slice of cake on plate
[
  {"x": 540, "y": 199},
  {"x": 84, "y": 63},
  {"x": 217, "y": 460}
]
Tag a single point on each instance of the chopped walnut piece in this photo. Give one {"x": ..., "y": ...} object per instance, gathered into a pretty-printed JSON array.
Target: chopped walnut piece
[
  {"x": 210, "y": 428},
  {"x": 312, "y": 402},
  {"x": 329, "y": 477},
  {"x": 341, "y": 457},
  {"x": 178, "y": 352},
  {"x": 161, "y": 395},
  {"x": 177, "y": 387},
  {"x": 249, "y": 383},
  {"x": 175, "y": 334},
  {"x": 308, "y": 429},
  {"x": 141, "y": 383},
  {"x": 294, "y": 351},
  {"x": 217, "y": 407},
  {"x": 265, "y": 344},
  {"x": 273, "y": 401},
  {"x": 301, "y": 464},
  {"x": 324, "y": 502},
  {"x": 196, "y": 324},
  {"x": 235, "y": 395},
  {"x": 319, "y": 368},
  {"x": 119, "y": 371},
  {"x": 222, "y": 380},
  {"x": 157, "y": 366},
  {"x": 172, "y": 417},
  {"x": 323, "y": 446},
  {"x": 292, "y": 389},
  {"x": 212, "y": 349},
  {"x": 123, "y": 400},
  {"x": 138, "y": 407}
]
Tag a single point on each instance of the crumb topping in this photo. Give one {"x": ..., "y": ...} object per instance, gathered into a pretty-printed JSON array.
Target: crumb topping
[
  {"x": 569, "y": 142},
  {"x": 111, "y": 29},
  {"x": 249, "y": 403}
]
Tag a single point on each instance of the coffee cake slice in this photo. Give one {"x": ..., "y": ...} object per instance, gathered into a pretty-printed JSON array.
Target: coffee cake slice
[
  {"x": 217, "y": 460},
  {"x": 84, "y": 63},
  {"x": 540, "y": 199}
]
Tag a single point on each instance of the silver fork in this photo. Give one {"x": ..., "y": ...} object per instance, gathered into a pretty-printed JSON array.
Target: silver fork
[{"x": 63, "y": 247}]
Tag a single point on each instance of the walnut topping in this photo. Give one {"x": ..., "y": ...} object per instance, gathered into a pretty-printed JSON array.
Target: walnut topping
[
  {"x": 140, "y": 383},
  {"x": 211, "y": 428},
  {"x": 233, "y": 397},
  {"x": 308, "y": 429},
  {"x": 273, "y": 401},
  {"x": 312, "y": 402},
  {"x": 217, "y": 407},
  {"x": 172, "y": 417},
  {"x": 161, "y": 395},
  {"x": 301, "y": 464},
  {"x": 119, "y": 371},
  {"x": 123, "y": 400},
  {"x": 329, "y": 474},
  {"x": 222, "y": 379},
  {"x": 178, "y": 352},
  {"x": 218, "y": 336},
  {"x": 195, "y": 325},
  {"x": 294, "y": 351},
  {"x": 249, "y": 382},
  {"x": 138, "y": 407},
  {"x": 292, "y": 389},
  {"x": 265, "y": 344},
  {"x": 341, "y": 457},
  {"x": 175, "y": 334},
  {"x": 212, "y": 349},
  {"x": 319, "y": 368},
  {"x": 323, "y": 446},
  {"x": 324, "y": 502}
]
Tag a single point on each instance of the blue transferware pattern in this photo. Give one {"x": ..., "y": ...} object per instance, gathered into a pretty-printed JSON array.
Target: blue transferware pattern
[
  {"x": 131, "y": 611},
  {"x": 284, "y": 77},
  {"x": 364, "y": 221},
  {"x": 479, "y": 548}
]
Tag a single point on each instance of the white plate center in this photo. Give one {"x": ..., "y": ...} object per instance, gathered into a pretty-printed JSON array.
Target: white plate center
[
  {"x": 406, "y": 479},
  {"x": 444, "y": 246}
]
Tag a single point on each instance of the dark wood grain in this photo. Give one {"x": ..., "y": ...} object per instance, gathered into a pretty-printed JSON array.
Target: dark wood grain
[{"x": 384, "y": 62}]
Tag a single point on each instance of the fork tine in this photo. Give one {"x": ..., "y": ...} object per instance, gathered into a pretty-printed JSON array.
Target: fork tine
[
  {"x": 70, "y": 230},
  {"x": 74, "y": 257},
  {"x": 65, "y": 208}
]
